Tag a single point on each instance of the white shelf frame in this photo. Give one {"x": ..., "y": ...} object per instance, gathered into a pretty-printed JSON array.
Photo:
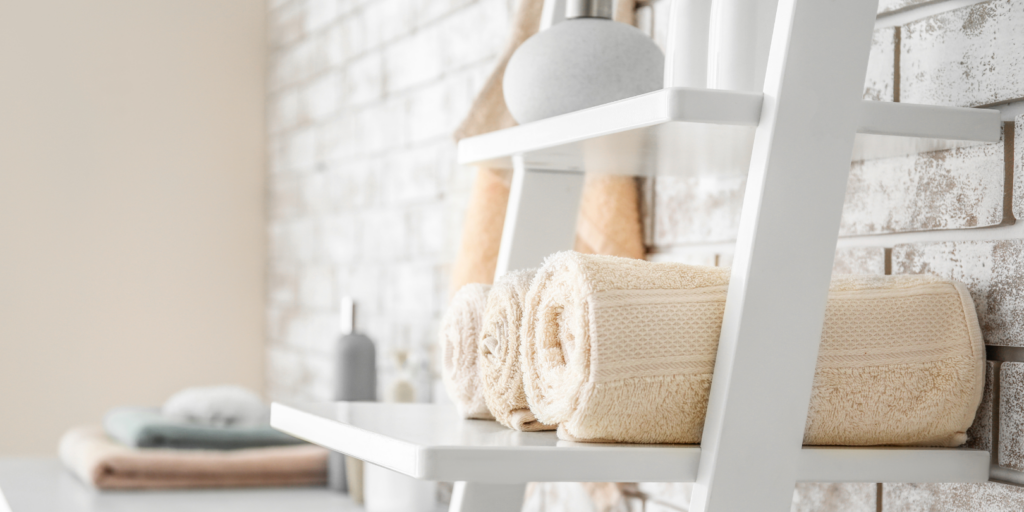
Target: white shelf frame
[{"x": 794, "y": 140}]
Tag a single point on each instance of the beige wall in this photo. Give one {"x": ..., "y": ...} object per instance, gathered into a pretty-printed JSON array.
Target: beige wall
[{"x": 132, "y": 241}]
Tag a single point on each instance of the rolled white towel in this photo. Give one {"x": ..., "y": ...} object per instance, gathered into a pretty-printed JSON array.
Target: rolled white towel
[
  {"x": 460, "y": 331},
  {"x": 501, "y": 371},
  {"x": 623, "y": 350},
  {"x": 218, "y": 406}
]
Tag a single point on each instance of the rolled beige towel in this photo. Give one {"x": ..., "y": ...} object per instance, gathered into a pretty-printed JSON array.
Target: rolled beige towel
[
  {"x": 623, "y": 350},
  {"x": 460, "y": 332},
  {"x": 501, "y": 372}
]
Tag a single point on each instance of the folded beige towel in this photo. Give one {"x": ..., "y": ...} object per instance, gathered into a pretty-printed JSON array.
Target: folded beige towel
[
  {"x": 101, "y": 462},
  {"x": 501, "y": 372},
  {"x": 460, "y": 332},
  {"x": 622, "y": 350}
]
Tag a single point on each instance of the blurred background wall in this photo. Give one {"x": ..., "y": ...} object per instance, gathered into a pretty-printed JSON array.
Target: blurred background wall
[
  {"x": 366, "y": 199},
  {"x": 132, "y": 236}
]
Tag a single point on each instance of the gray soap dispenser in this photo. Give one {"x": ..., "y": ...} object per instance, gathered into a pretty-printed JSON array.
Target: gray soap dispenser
[{"x": 355, "y": 380}]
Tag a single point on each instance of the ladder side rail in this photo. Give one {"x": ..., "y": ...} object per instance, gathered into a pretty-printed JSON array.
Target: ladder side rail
[{"x": 785, "y": 247}]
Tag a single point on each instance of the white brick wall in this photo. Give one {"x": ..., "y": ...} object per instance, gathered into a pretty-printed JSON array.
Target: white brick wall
[{"x": 365, "y": 197}]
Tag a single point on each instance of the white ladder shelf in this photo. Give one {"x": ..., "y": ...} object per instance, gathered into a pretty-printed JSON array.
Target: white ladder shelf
[{"x": 794, "y": 142}]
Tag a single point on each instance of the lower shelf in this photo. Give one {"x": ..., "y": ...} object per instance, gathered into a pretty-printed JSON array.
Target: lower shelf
[{"x": 432, "y": 442}]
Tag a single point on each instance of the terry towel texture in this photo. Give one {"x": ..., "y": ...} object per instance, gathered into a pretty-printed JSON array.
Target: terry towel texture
[
  {"x": 501, "y": 373},
  {"x": 101, "y": 462},
  {"x": 623, "y": 350},
  {"x": 148, "y": 428},
  {"x": 460, "y": 331}
]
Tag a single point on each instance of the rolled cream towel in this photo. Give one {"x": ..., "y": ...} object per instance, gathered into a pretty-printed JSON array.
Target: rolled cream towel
[
  {"x": 501, "y": 372},
  {"x": 460, "y": 331},
  {"x": 623, "y": 350}
]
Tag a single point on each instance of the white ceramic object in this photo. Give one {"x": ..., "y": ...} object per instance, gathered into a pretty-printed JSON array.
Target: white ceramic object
[{"x": 580, "y": 63}]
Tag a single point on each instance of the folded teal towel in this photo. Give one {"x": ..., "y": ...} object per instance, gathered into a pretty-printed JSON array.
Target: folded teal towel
[{"x": 147, "y": 428}]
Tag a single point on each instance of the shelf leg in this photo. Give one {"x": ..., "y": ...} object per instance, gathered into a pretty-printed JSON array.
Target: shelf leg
[
  {"x": 478, "y": 497},
  {"x": 541, "y": 216},
  {"x": 785, "y": 246}
]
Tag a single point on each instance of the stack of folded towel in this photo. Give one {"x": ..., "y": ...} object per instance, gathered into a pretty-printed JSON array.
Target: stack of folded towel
[
  {"x": 611, "y": 349},
  {"x": 202, "y": 437}
]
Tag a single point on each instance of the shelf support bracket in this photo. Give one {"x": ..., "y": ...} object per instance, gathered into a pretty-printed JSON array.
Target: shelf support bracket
[{"x": 541, "y": 216}]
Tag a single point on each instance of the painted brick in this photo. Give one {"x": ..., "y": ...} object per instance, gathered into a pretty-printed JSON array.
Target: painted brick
[
  {"x": 816, "y": 497},
  {"x": 880, "y": 79},
  {"x": 386, "y": 21},
  {"x": 987, "y": 497},
  {"x": 312, "y": 332},
  {"x": 285, "y": 199},
  {"x": 950, "y": 189},
  {"x": 337, "y": 137},
  {"x": 300, "y": 150},
  {"x": 316, "y": 288},
  {"x": 707, "y": 258},
  {"x": 321, "y": 97},
  {"x": 426, "y": 231},
  {"x": 888, "y": 6},
  {"x": 354, "y": 184},
  {"x": 436, "y": 110},
  {"x": 412, "y": 61},
  {"x": 414, "y": 175},
  {"x": 848, "y": 260},
  {"x": 696, "y": 209},
  {"x": 380, "y": 127},
  {"x": 428, "y": 11},
  {"x": 382, "y": 235},
  {"x": 428, "y": 113},
  {"x": 666, "y": 497},
  {"x": 287, "y": 374},
  {"x": 993, "y": 271},
  {"x": 294, "y": 242},
  {"x": 979, "y": 436},
  {"x": 341, "y": 235},
  {"x": 316, "y": 199},
  {"x": 474, "y": 33},
  {"x": 1011, "y": 416},
  {"x": 557, "y": 496},
  {"x": 1018, "y": 168},
  {"x": 859, "y": 260},
  {"x": 297, "y": 63},
  {"x": 337, "y": 45},
  {"x": 965, "y": 57},
  {"x": 364, "y": 79},
  {"x": 319, "y": 14},
  {"x": 282, "y": 292}
]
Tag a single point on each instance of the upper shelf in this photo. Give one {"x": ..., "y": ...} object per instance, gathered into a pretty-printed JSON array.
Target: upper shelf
[
  {"x": 687, "y": 131},
  {"x": 432, "y": 442}
]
